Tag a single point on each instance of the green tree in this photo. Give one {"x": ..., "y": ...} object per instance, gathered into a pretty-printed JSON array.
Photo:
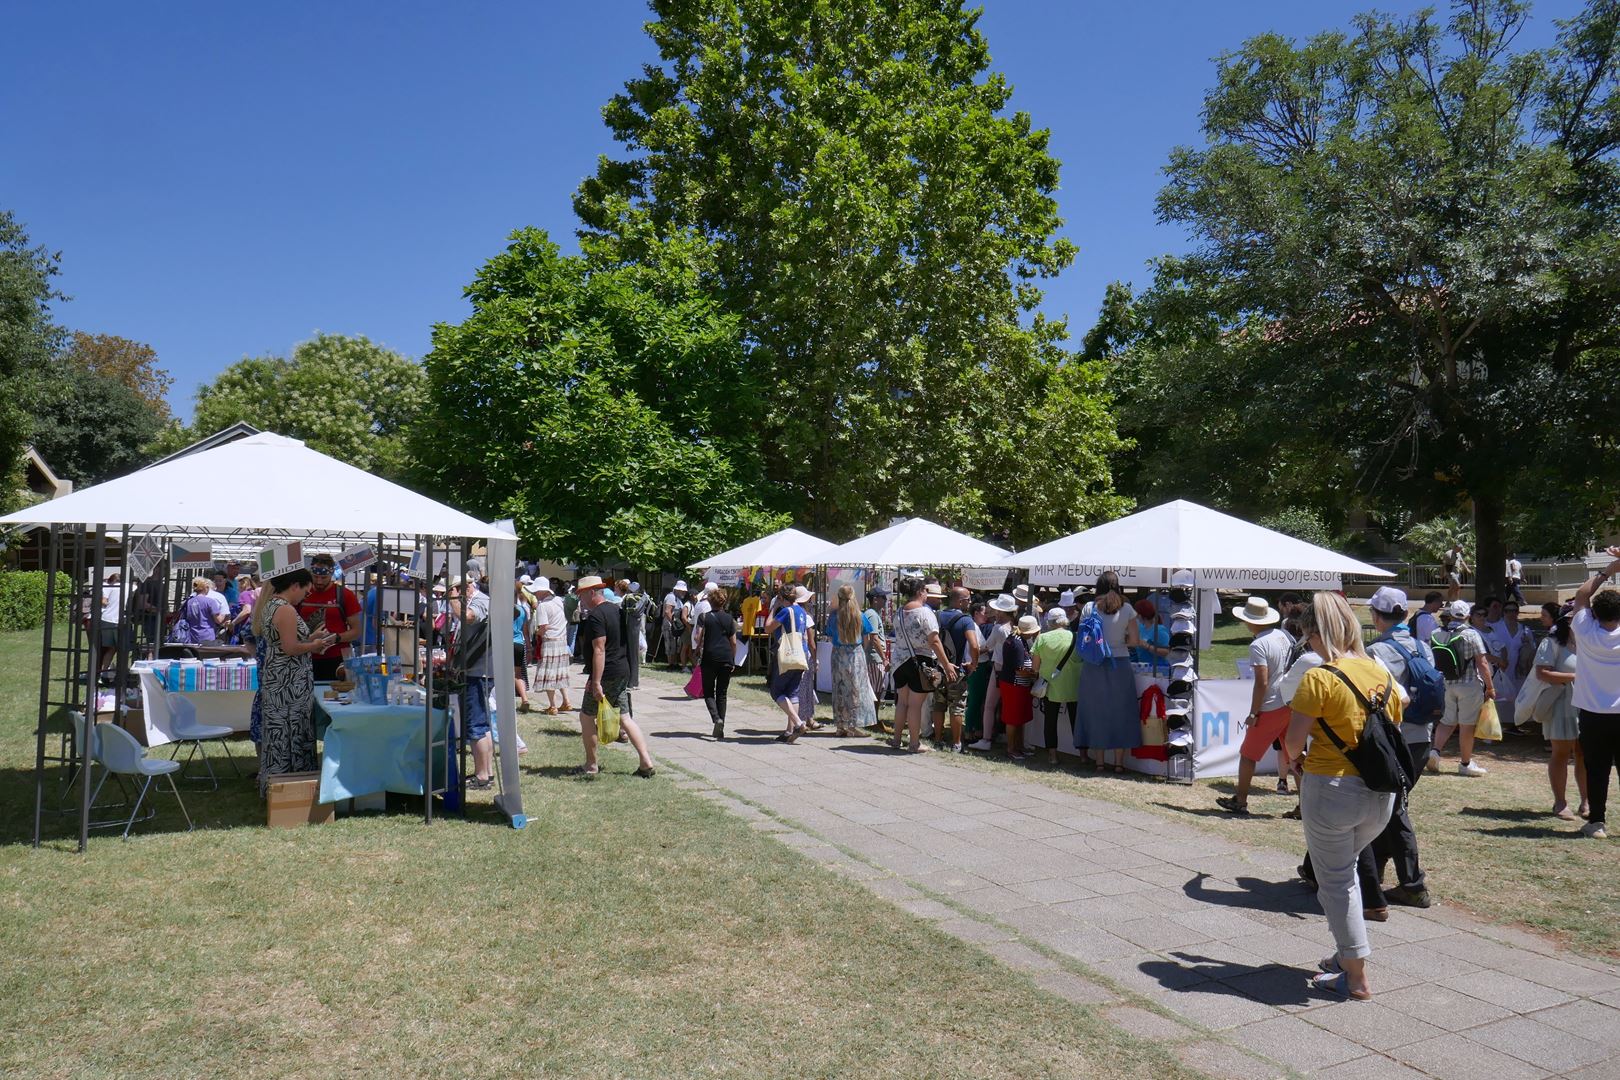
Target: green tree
[
  {"x": 28, "y": 339},
  {"x": 595, "y": 405},
  {"x": 1407, "y": 259},
  {"x": 129, "y": 362},
  {"x": 342, "y": 395},
  {"x": 879, "y": 223},
  {"x": 89, "y": 427}
]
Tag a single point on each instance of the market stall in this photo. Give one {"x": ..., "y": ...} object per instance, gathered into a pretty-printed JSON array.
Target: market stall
[
  {"x": 301, "y": 499},
  {"x": 1220, "y": 552}
]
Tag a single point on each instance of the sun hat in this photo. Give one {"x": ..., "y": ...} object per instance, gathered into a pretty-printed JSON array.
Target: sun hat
[
  {"x": 1027, "y": 625},
  {"x": 1057, "y": 618},
  {"x": 589, "y": 581},
  {"x": 708, "y": 587},
  {"x": 1257, "y": 612},
  {"x": 439, "y": 587},
  {"x": 933, "y": 591},
  {"x": 1004, "y": 603},
  {"x": 1458, "y": 609},
  {"x": 541, "y": 584},
  {"x": 1386, "y": 600},
  {"x": 1066, "y": 598},
  {"x": 1021, "y": 594},
  {"x": 680, "y": 586},
  {"x": 801, "y": 594},
  {"x": 525, "y": 579},
  {"x": 1182, "y": 579}
]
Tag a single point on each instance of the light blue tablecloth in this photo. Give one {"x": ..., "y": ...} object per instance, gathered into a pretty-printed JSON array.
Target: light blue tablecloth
[{"x": 371, "y": 748}]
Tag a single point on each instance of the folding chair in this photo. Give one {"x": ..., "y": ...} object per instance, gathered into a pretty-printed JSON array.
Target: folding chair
[
  {"x": 185, "y": 729},
  {"x": 121, "y": 755}
]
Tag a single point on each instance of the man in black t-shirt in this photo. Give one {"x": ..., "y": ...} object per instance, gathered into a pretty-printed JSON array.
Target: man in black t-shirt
[{"x": 602, "y": 642}]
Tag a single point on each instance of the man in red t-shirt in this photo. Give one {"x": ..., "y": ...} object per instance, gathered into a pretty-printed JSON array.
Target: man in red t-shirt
[{"x": 331, "y": 607}]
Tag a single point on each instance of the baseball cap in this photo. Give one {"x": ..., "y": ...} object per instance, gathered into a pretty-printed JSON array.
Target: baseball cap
[
  {"x": 1457, "y": 609},
  {"x": 1387, "y": 599},
  {"x": 1182, "y": 579}
]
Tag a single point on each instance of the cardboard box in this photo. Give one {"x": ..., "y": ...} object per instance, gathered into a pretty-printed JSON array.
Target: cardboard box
[
  {"x": 292, "y": 801},
  {"x": 133, "y": 721}
]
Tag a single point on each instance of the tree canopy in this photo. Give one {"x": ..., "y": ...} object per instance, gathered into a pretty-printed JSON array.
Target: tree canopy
[
  {"x": 879, "y": 222},
  {"x": 131, "y": 363},
  {"x": 596, "y": 405},
  {"x": 87, "y": 426},
  {"x": 29, "y": 339},
  {"x": 342, "y": 395},
  {"x": 1406, "y": 274}
]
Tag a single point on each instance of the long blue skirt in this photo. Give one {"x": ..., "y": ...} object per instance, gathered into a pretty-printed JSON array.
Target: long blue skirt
[{"x": 1106, "y": 714}]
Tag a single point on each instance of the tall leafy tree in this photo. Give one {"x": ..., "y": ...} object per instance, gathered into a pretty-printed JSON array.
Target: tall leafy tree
[
  {"x": 28, "y": 338},
  {"x": 1408, "y": 252},
  {"x": 879, "y": 222},
  {"x": 131, "y": 363},
  {"x": 89, "y": 427},
  {"x": 343, "y": 395},
  {"x": 594, "y": 403}
]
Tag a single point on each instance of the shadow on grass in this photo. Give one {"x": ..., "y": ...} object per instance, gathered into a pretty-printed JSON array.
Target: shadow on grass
[
  {"x": 1282, "y": 897},
  {"x": 1501, "y": 814},
  {"x": 1535, "y": 832}
]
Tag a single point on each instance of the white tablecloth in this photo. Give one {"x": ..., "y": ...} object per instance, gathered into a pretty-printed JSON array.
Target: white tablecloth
[{"x": 231, "y": 708}]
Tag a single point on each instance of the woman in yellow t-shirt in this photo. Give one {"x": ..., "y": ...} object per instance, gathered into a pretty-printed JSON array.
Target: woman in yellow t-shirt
[{"x": 1341, "y": 815}]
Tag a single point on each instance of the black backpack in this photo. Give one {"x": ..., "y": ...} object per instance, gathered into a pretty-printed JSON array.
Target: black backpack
[
  {"x": 1381, "y": 756},
  {"x": 1446, "y": 658}
]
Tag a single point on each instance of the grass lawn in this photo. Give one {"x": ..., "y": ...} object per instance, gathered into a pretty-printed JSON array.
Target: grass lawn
[
  {"x": 1488, "y": 844},
  {"x": 632, "y": 930}
]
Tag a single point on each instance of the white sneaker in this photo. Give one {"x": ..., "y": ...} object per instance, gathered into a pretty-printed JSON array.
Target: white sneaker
[
  {"x": 1595, "y": 830},
  {"x": 982, "y": 744},
  {"x": 1433, "y": 764},
  {"x": 1469, "y": 769}
]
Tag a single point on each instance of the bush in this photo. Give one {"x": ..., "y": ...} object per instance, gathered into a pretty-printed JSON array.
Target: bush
[
  {"x": 22, "y": 599},
  {"x": 1302, "y": 523}
]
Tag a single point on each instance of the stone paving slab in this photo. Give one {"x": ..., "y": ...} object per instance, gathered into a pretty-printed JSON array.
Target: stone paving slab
[{"x": 1188, "y": 939}]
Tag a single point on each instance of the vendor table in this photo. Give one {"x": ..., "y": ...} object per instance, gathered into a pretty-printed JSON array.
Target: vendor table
[
  {"x": 1219, "y": 706},
  {"x": 229, "y": 708},
  {"x": 372, "y": 748}
]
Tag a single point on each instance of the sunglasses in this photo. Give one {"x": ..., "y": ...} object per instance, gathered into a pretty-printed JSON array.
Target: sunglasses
[{"x": 322, "y": 571}]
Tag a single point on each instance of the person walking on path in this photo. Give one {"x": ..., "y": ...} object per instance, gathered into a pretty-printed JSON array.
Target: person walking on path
[
  {"x": 607, "y": 668},
  {"x": 287, "y": 681},
  {"x": 1554, "y": 709},
  {"x": 785, "y": 686},
  {"x": 1455, "y": 566},
  {"x": 1596, "y": 627},
  {"x": 1460, "y": 655},
  {"x": 916, "y": 641},
  {"x": 1397, "y": 649},
  {"x": 1056, "y": 663},
  {"x": 716, "y": 644},
  {"x": 1341, "y": 814},
  {"x": 851, "y": 631},
  {"x": 1268, "y": 717}
]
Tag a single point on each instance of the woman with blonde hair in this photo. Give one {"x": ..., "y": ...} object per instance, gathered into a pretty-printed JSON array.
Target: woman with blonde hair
[
  {"x": 851, "y": 631},
  {"x": 1341, "y": 814}
]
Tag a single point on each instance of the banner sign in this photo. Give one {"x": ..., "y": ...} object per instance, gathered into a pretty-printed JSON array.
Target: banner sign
[
  {"x": 729, "y": 578},
  {"x": 356, "y": 558},
  {"x": 1208, "y": 577},
  {"x": 279, "y": 557},
  {"x": 192, "y": 553},
  {"x": 143, "y": 557},
  {"x": 984, "y": 579}
]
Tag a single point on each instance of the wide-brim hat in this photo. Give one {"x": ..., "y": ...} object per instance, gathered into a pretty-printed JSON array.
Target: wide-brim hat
[
  {"x": 1066, "y": 598},
  {"x": 1021, "y": 594},
  {"x": 1004, "y": 603},
  {"x": 801, "y": 594},
  {"x": 1257, "y": 612},
  {"x": 1028, "y": 625},
  {"x": 589, "y": 581},
  {"x": 540, "y": 585},
  {"x": 440, "y": 588},
  {"x": 1057, "y": 617},
  {"x": 933, "y": 591},
  {"x": 680, "y": 586}
]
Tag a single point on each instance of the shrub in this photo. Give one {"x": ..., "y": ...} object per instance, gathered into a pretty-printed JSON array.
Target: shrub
[
  {"x": 1302, "y": 523},
  {"x": 22, "y": 599}
]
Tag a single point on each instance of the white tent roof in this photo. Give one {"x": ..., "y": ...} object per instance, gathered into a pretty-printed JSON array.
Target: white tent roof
[
  {"x": 1183, "y": 534},
  {"x": 914, "y": 543},
  {"x": 265, "y": 483},
  {"x": 787, "y": 547}
]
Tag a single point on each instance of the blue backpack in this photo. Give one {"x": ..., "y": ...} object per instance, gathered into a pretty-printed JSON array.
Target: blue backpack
[
  {"x": 1427, "y": 685},
  {"x": 1090, "y": 643}
]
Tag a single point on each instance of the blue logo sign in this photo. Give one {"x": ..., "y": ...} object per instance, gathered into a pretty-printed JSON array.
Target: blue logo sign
[{"x": 1217, "y": 721}]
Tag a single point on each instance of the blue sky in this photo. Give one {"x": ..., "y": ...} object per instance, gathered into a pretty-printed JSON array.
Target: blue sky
[{"x": 224, "y": 180}]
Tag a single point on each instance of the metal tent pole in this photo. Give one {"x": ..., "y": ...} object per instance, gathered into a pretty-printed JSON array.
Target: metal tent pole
[
  {"x": 93, "y": 685},
  {"x": 53, "y": 560},
  {"x": 426, "y": 543}
]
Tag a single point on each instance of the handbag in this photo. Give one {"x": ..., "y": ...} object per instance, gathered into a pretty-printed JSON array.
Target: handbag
[
  {"x": 1042, "y": 684},
  {"x": 1489, "y": 727},
  {"x": 694, "y": 685},
  {"x": 1524, "y": 705},
  {"x": 930, "y": 676},
  {"x": 790, "y": 654}
]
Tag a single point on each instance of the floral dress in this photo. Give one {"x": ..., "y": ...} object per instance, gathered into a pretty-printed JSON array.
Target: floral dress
[{"x": 286, "y": 694}]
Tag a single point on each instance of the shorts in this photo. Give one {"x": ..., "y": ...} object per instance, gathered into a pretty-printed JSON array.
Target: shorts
[
  {"x": 909, "y": 676},
  {"x": 1464, "y": 699},
  {"x": 785, "y": 686},
  {"x": 109, "y": 635},
  {"x": 951, "y": 699},
  {"x": 475, "y": 707},
  {"x": 615, "y": 690},
  {"x": 517, "y": 658},
  {"x": 1454, "y": 579},
  {"x": 1267, "y": 728}
]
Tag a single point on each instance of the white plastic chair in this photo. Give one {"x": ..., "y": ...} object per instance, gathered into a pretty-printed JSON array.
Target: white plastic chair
[
  {"x": 119, "y": 753},
  {"x": 185, "y": 729}
]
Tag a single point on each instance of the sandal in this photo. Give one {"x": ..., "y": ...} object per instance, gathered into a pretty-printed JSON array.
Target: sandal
[
  {"x": 894, "y": 744},
  {"x": 646, "y": 772},
  {"x": 924, "y": 749},
  {"x": 1337, "y": 982},
  {"x": 1563, "y": 812},
  {"x": 1230, "y": 803},
  {"x": 584, "y": 770},
  {"x": 793, "y": 736},
  {"x": 1329, "y": 965}
]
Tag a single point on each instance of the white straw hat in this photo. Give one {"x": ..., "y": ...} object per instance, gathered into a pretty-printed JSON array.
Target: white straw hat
[
  {"x": 1004, "y": 603},
  {"x": 1256, "y": 612}
]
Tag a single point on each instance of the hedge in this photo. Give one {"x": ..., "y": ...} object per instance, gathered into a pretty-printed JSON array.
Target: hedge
[{"x": 22, "y": 598}]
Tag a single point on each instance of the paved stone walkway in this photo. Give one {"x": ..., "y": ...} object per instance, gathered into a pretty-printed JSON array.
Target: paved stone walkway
[{"x": 1173, "y": 933}]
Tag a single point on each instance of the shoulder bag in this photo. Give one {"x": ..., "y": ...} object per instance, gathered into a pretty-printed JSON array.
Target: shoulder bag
[
  {"x": 790, "y": 654},
  {"x": 1043, "y": 683},
  {"x": 1380, "y": 756},
  {"x": 930, "y": 676}
]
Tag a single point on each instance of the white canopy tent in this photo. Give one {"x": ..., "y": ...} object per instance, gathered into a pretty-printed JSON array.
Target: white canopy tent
[
  {"x": 916, "y": 542},
  {"x": 1221, "y": 550},
  {"x": 786, "y": 547},
  {"x": 293, "y": 493}
]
